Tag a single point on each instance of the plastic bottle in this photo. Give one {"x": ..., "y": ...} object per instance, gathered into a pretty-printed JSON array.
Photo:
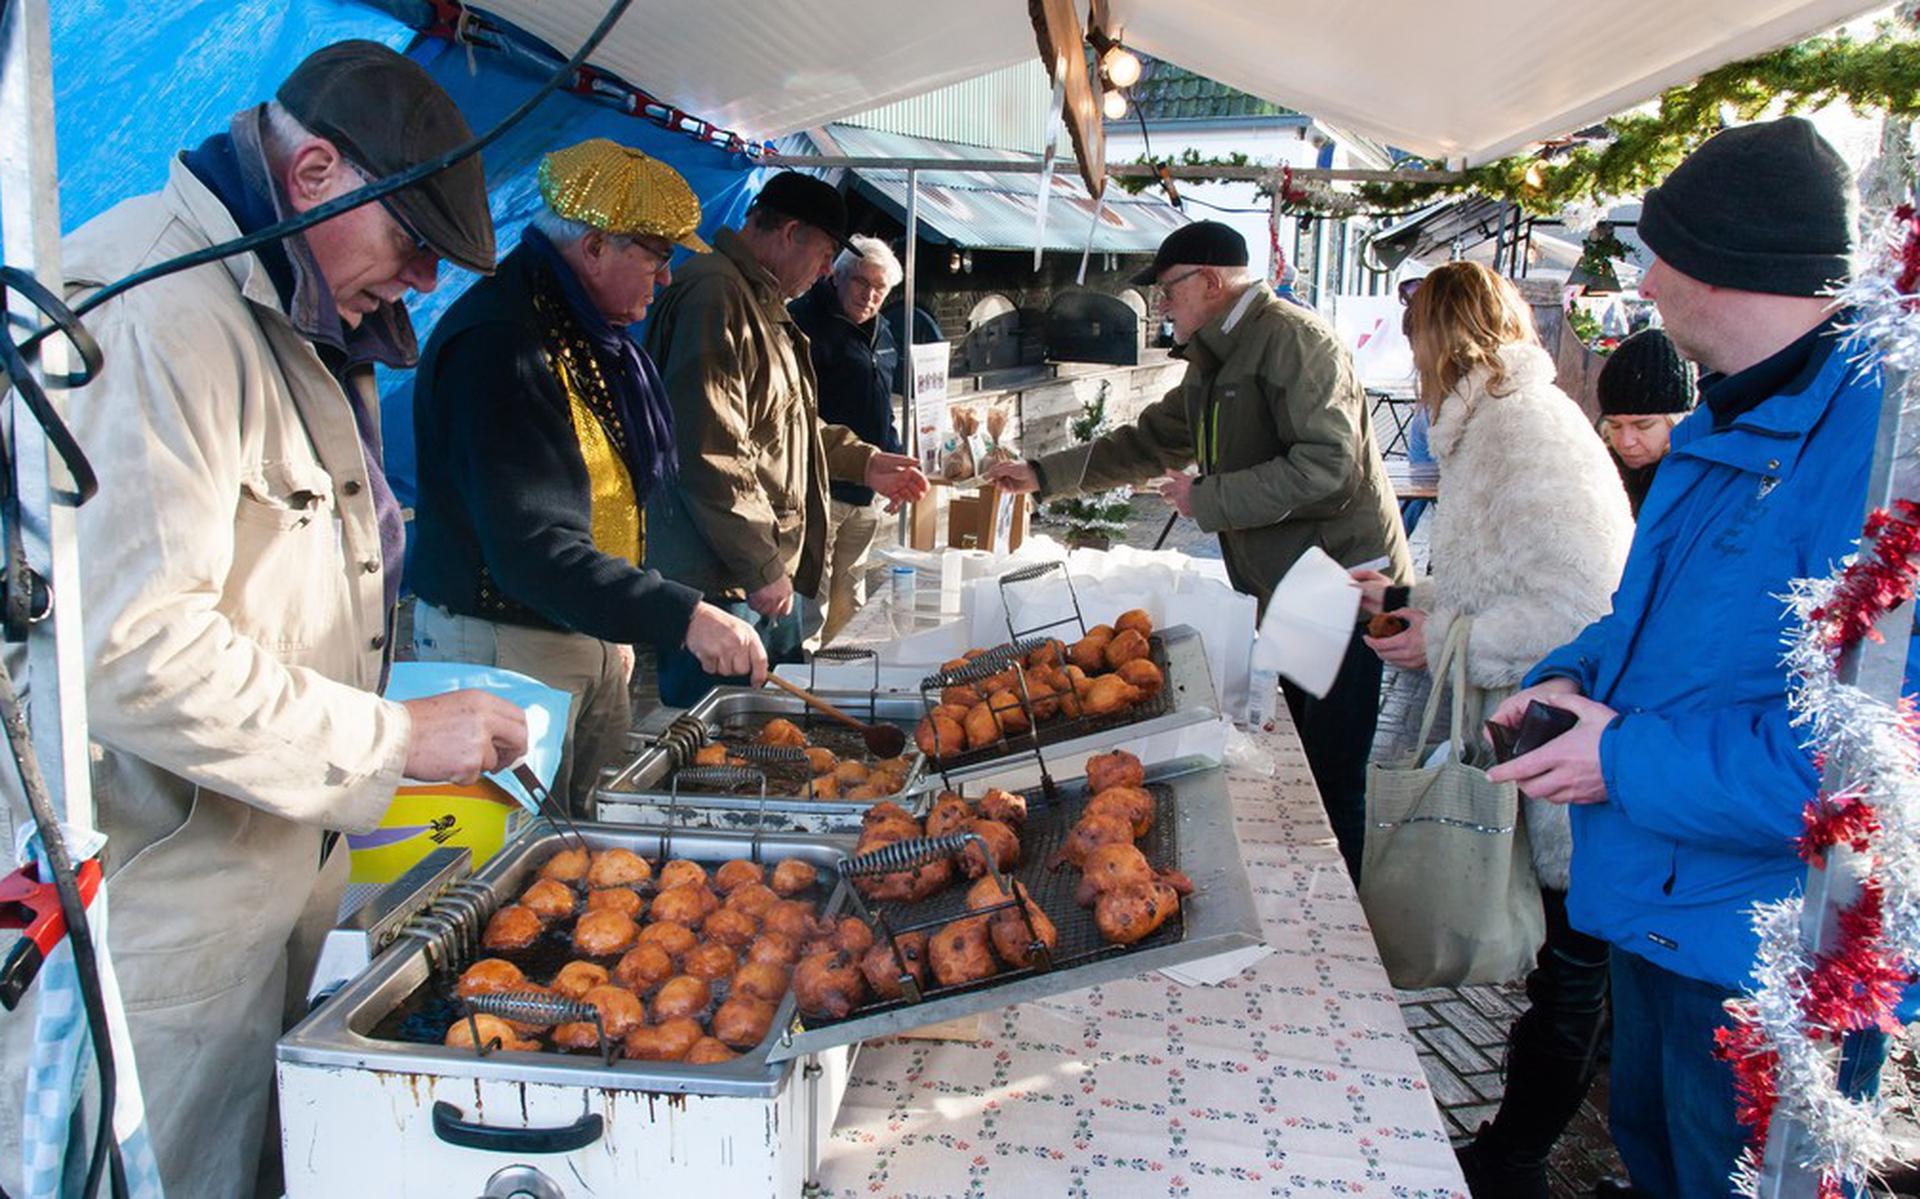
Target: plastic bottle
[{"x": 901, "y": 584}]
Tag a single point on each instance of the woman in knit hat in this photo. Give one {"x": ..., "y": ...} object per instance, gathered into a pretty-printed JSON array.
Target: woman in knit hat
[{"x": 1645, "y": 388}]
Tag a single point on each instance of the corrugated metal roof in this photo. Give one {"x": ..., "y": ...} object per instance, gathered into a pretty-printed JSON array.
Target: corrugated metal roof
[
  {"x": 1006, "y": 109},
  {"x": 981, "y": 211}
]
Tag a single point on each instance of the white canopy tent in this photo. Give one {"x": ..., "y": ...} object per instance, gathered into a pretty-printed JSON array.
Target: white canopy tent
[{"x": 1391, "y": 70}]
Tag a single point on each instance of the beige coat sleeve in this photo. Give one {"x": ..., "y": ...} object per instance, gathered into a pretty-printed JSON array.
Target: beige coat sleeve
[
  {"x": 171, "y": 679},
  {"x": 1158, "y": 440},
  {"x": 705, "y": 374},
  {"x": 847, "y": 455}
]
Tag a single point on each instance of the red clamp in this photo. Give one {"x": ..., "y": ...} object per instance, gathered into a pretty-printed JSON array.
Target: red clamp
[{"x": 33, "y": 907}]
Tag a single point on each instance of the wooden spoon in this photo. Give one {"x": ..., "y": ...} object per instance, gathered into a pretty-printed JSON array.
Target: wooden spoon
[{"x": 883, "y": 740}]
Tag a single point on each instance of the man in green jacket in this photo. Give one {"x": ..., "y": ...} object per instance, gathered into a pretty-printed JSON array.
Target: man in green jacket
[
  {"x": 1273, "y": 413},
  {"x": 746, "y": 524}
]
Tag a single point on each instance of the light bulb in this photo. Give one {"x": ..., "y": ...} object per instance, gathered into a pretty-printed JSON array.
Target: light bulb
[
  {"x": 1123, "y": 67},
  {"x": 1114, "y": 104}
]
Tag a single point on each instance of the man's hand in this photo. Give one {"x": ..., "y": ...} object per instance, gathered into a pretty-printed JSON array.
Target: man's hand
[
  {"x": 1513, "y": 709},
  {"x": 1567, "y": 768},
  {"x": 726, "y": 645},
  {"x": 1373, "y": 589},
  {"x": 774, "y": 600},
  {"x": 1177, "y": 489},
  {"x": 897, "y": 477},
  {"x": 1016, "y": 477},
  {"x": 1406, "y": 649},
  {"x": 461, "y": 735}
]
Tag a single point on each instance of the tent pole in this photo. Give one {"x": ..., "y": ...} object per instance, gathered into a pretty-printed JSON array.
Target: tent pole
[
  {"x": 30, "y": 227},
  {"x": 909, "y": 414}
]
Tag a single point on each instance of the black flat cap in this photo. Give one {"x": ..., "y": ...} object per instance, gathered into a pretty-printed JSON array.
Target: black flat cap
[
  {"x": 386, "y": 114},
  {"x": 805, "y": 198},
  {"x": 1203, "y": 243}
]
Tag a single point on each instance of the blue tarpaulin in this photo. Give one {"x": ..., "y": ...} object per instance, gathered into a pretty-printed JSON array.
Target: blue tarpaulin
[{"x": 136, "y": 83}]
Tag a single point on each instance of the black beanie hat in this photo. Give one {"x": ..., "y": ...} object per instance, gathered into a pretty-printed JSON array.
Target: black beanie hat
[
  {"x": 1766, "y": 207},
  {"x": 1645, "y": 375}
]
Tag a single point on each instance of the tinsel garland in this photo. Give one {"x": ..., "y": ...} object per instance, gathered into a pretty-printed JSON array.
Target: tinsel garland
[{"x": 1780, "y": 1047}]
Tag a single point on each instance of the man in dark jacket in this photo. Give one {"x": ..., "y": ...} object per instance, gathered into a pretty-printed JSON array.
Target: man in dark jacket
[
  {"x": 542, "y": 428},
  {"x": 1686, "y": 771},
  {"x": 852, "y": 352},
  {"x": 1273, "y": 413}
]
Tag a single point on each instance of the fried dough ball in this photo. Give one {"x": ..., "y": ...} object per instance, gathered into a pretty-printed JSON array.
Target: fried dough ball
[
  {"x": 1116, "y": 769},
  {"x": 794, "y": 876},
  {"x": 1109, "y": 868},
  {"x": 730, "y": 927},
  {"x": 512, "y": 927},
  {"x": 883, "y": 967},
  {"x": 709, "y": 960},
  {"x": 828, "y": 984},
  {"x": 986, "y": 892},
  {"x": 851, "y": 774},
  {"x": 489, "y": 975},
  {"x": 1105, "y": 632},
  {"x": 644, "y": 967},
  {"x": 1014, "y": 936},
  {"x": 710, "y": 755},
  {"x": 779, "y": 731},
  {"x": 1002, "y": 681},
  {"x": 939, "y": 736},
  {"x": 959, "y": 952},
  {"x": 877, "y": 789},
  {"x": 901, "y": 886},
  {"x": 709, "y": 1051},
  {"x": 1001, "y": 843},
  {"x": 892, "y": 769},
  {"x": 1050, "y": 652},
  {"x": 674, "y": 939},
  {"x": 548, "y": 899},
  {"x": 1386, "y": 624},
  {"x": 1108, "y": 695},
  {"x": 1144, "y": 677},
  {"x": 1044, "y": 698},
  {"x": 768, "y": 980},
  {"x": 680, "y": 872},
  {"x": 1125, "y": 647},
  {"x": 773, "y": 949},
  {"x": 1134, "y": 803},
  {"x": 620, "y": 1014},
  {"x": 953, "y": 664},
  {"x": 492, "y": 1028},
  {"x": 1127, "y": 914},
  {"x": 1007, "y": 706},
  {"x": 1090, "y": 833},
  {"x": 981, "y": 728},
  {"x": 1135, "y": 619},
  {"x": 882, "y": 813},
  {"x": 577, "y": 978},
  {"x": 821, "y": 760},
  {"x": 754, "y": 899},
  {"x": 823, "y": 786},
  {"x": 681, "y": 995},
  {"x": 954, "y": 712},
  {"x": 604, "y": 933},
  {"x": 950, "y": 812},
  {"x": 961, "y": 695},
  {"x": 687, "y": 905},
  {"x": 852, "y": 935},
  {"x": 1089, "y": 653},
  {"x": 743, "y": 1020},
  {"x": 618, "y": 868},
  {"x": 668, "y": 1041},
  {"x": 567, "y": 866},
  {"x": 615, "y": 899},
  {"x": 1006, "y": 807},
  {"x": 792, "y": 919},
  {"x": 737, "y": 873}
]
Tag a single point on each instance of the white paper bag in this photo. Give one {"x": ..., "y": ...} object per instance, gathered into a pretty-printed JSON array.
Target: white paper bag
[{"x": 1309, "y": 623}]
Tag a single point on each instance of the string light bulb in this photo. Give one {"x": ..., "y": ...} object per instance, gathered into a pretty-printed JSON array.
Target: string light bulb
[
  {"x": 1122, "y": 66},
  {"x": 1114, "y": 105}
]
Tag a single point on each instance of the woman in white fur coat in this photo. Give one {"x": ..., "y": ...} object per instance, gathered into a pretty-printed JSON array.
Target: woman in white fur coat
[{"x": 1530, "y": 534}]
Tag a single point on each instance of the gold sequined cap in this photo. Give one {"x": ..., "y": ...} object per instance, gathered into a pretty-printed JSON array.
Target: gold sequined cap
[{"x": 613, "y": 187}]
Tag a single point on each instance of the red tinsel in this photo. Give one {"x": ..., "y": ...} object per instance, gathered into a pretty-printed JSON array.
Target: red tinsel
[
  {"x": 1756, "y": 1067},
  {"x": 1877, "y": 582},
  {"x": 1856, "y": 984},
  {"x": 1909, "y": 254},
  {"x": 1836, "y": 820}
]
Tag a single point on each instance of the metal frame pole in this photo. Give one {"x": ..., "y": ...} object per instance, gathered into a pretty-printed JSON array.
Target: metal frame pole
[
  {"x": 30, "y": 228},
  {"x": 909, "y": 409}
]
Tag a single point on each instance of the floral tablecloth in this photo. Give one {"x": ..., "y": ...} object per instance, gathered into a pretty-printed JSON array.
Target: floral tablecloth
[{"x": 1298, "y": 1077}]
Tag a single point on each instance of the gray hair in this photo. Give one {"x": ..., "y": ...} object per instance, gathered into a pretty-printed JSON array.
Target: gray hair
[
  {"x": 869, "y": 250},
  {"x": 561, "y": 231},
  {"x": 281, "y": 133}
]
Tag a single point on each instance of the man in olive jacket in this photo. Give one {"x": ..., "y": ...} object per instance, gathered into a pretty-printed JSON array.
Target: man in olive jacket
[
  {"x": 747, "y": 523},
  {"x": 1274, "y": 415}
]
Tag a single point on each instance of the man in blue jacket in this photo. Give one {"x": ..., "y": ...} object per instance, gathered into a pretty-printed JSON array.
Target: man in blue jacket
[{"x": 1687, "y": 778}]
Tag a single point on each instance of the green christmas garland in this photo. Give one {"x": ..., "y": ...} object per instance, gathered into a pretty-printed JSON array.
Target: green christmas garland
[{"x": 1882, "y": 75}]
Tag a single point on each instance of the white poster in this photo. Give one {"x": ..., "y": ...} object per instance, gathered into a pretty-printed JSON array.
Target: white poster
[{"x": 930, "y": 423}]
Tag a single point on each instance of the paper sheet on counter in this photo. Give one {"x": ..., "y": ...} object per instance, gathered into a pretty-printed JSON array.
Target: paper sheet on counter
[
  {"x": 1309, "y": 622},
  {"x": 1211, "y": 972}
]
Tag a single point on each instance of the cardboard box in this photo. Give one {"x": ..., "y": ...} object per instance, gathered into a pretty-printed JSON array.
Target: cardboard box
[{"x": 987, "y": 519}]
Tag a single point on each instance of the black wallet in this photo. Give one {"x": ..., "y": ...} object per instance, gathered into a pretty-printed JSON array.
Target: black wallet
[{"x": 1542, "y": 723}]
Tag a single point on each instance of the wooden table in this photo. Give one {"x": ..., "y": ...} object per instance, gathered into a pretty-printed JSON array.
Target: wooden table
[{"x": 1298, "y": 1077}]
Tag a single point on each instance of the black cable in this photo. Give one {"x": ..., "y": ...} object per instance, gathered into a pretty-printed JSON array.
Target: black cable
[
  {"x": 354, "y": 199},
  {"x": 74, "y": 912}
]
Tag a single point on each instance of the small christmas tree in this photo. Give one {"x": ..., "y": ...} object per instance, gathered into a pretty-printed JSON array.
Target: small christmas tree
[{"x": 1094, "y": 520}]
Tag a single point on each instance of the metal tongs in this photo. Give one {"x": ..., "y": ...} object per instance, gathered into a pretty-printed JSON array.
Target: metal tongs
[{"x": 552, "y": 809}]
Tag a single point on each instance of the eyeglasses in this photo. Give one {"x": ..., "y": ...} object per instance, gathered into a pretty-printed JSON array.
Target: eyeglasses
[
  {"x": 1408, "y": 287},
  {"x": 419, "y": 243},
  {"x": 1166, "y": 286}
]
